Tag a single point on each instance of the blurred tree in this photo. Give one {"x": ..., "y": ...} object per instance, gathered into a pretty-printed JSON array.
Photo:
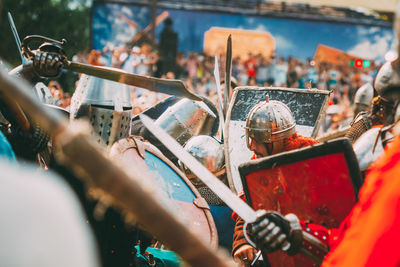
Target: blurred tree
[{"x": 57, "y": 19}]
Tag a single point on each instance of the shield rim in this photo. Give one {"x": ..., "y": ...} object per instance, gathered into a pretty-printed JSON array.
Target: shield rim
[
  {"x": 340, "y": 145},
  {"x": 248, "y": 88},
  {"x": 156, "y": 110},
  {"x": 141, "y": 147}
]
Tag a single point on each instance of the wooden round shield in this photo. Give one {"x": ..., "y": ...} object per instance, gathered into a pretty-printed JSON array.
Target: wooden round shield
[{"x": 168, "y": 184}]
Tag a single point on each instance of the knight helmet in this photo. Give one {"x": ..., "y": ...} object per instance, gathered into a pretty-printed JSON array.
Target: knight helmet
[{"x": 269, "y": 121}]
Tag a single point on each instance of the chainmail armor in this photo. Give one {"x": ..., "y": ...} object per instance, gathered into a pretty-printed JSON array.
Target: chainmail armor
[
  {"x": 209, "y": 196},
  {"x": 360, "y": 125}
]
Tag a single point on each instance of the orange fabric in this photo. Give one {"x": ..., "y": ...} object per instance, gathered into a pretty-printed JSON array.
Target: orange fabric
[
  {"x": 373, "y": 232},
  {"x": 296, "y": 141}
]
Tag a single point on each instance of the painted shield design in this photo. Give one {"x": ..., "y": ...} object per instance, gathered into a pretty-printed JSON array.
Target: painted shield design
[
  {"x": 319, "y": 184},
  {"x": 306, "y": 105},
  {"x": 168, "y": 184}
]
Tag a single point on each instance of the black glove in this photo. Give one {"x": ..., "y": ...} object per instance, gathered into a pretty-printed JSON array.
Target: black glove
[
  {"x": 47, "y": 64},
  {"x": 272, "y": 232}
]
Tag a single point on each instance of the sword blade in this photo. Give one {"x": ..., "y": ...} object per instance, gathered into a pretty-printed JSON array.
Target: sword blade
[
  {"x": 219, "y": 93},
  {"x": 170, "y": 87},
  {"x": 228, "y": 71},
  {"x": 219, "y": 188},
  {"x": 16, "y": 37}
]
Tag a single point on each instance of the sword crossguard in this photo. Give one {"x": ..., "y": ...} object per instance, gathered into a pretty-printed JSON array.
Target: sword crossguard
[
  {"x": 48, "y": 59},
  {"x": 51, "y": 44}
]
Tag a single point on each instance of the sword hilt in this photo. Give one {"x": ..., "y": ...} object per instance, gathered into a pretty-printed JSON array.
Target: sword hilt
[{"x": 56, "y": 46}]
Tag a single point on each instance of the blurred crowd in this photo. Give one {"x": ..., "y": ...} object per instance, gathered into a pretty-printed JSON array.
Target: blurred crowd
[{"x": 196, "y": 70}]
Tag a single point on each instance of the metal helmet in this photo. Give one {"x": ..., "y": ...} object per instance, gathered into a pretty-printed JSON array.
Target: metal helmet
[
  {"x": 106, "y": 104},
  {"x": 187, "y": 118},
  {"x": 269, "y": 121},
  {"x": 364, "y": 95},
  {"x": 363, "y": 99},
  {"x": 388, "y": 77},
  {"x": 208, "y": 151}
]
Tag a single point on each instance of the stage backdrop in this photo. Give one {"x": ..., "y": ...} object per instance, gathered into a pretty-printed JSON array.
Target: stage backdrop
[{"x": 118, "y": 24}]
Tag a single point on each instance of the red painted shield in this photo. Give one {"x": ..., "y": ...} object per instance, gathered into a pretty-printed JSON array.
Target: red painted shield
[
  {"x": 168, "y": 184},
  {"x": 319, "y": 184}
]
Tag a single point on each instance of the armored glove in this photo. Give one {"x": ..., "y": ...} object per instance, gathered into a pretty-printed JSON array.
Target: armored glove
[
  {"x": 47, "y": 64},
  {"x": 272, "y": 232}
]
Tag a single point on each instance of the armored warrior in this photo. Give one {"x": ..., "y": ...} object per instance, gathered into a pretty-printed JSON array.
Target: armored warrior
[
  {"x": 373, "y": 140},
  {"x": 371, "y": 226},
  {"x": 176, "y": 115},
  {"x": 106, "y": 104},
  {"x": 382, "y": 105},
  {"x": 28, "y": 139},
  {"x": 270, "y": 129}
]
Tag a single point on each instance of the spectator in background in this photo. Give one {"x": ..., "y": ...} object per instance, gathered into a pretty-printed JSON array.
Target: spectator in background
[
  {"x": 80, "y": 56},
  {"x": 94, "y": 58},
  {"x": 334, "y": 77},
  {"x": 117, "y": 59},
  {"x": 281, "y": 73},
  {"x": 292, "y": 76},
  {"x": 262, "y": 71},
  {"x": 168, "y": 47},
  {"x": 250, "y": 65},
  {"x": 180, "y": 71},
  {"x": 312, "y": 74},
  {"x": 132, "y": 61},
  {"x": 200, "y": 68},
  {"x": 147, "y": 60},
  {"x": 252, "y": 82},
  {"x": 196, "y": 70},
  {"x": 366, "y": 77},
  {"x": 243, "y": 77},
  {"x": 271, "y": 70},
  {"x": 191, "y": 66},
  {"x": 323, "y": 77},
  {"x": 237, "y": 66},
  {"x": 301, "y": 70}
]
